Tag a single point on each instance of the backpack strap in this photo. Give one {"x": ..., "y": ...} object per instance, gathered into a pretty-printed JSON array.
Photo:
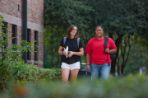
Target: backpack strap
[
  {"x": 64, "y": 40},
  {"x": 105, "y": 42},
  {"x": 78, "y": 41}
]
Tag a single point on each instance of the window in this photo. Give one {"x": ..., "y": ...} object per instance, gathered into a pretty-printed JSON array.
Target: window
[
  {"x": 36, "y": 45},
  {"x": 4, "y": 30},
  {"x": 2, "y": 47},
  {"x": 27, "y": 56},
  {"x": 28, "y": 35},
  {"x": 29, "y": 40},
  {"x": 14, "y": 34},
  {"x": 5, "y": 26}
]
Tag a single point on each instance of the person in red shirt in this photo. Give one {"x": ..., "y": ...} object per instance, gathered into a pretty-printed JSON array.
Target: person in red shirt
[{"x": 98, "y": 59}]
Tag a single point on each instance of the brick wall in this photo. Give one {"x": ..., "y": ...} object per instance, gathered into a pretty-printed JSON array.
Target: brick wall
[
  {"x": 35, "y": 11},
  {"x": 10, "y": 7},
  {"x": 11, "y": 11},
  {"x": 13, "y": 7}
]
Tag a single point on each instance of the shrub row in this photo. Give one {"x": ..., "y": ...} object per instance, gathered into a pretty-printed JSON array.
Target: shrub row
[
  {"x": 128, "y": 87},
  {"x": 28, "y": 72}
]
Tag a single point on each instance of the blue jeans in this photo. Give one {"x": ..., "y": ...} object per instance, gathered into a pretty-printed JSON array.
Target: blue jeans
[{"x": 100, "y": 71}]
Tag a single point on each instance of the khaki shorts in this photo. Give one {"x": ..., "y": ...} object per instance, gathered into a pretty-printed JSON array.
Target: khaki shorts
[{"x": 70, "y": 66}]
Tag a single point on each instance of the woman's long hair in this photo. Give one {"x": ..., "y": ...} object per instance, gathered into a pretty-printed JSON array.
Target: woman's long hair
[{"x": 70, "y": 29}]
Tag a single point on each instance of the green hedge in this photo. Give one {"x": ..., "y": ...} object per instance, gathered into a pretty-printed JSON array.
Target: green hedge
[
  {"x": 28, "y": 72},
  {"x": 128, "y": 87}
]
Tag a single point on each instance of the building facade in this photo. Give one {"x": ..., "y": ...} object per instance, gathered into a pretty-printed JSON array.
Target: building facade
[{"x": 11, "y": 11}]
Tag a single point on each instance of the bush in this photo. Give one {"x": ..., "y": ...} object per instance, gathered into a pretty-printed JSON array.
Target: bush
[
  {"x": 128, "y": 87},
  {"x": 28, "y": 72},
  {"x": 12, "y": 66},
  {"x": 4, "y": 68}
]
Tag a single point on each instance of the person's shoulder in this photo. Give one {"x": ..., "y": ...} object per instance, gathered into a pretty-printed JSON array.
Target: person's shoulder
[
  {"x": 92, "y": 39},
  {"x": 110, "y": 39},
  {"x": 65, "y": 38},
  {"x": 78, "y": 38}
]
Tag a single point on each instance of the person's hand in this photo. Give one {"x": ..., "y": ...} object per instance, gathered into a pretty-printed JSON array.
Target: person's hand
[
  {"x": 107, "y": 50},
  {"x": 70, "y": 54},
  {"x": 88, "y": 68},
  {"x": 65, "y": 53}
]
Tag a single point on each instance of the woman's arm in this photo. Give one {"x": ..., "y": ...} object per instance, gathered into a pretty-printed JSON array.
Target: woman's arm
[
  {"x": 80, "y": 53},
  {"x": 60, "y": 51}
]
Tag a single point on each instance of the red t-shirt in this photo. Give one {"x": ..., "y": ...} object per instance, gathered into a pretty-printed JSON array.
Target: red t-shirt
[{"x": 95, "y": 48}]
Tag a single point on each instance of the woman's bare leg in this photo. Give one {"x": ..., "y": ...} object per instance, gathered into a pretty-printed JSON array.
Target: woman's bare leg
[
  {"x": 74, "y": 74},
  {"x": 65, "y": 75}
]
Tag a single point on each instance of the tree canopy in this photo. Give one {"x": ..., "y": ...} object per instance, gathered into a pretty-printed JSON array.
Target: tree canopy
[{"x": 118, "y": 17}]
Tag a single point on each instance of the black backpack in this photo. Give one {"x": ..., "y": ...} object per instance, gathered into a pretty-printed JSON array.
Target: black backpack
[{"x": 113, "y": 55}]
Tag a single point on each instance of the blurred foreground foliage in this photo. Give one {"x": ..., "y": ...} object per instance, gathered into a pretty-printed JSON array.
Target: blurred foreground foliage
[{"x": 132, "y": 86}]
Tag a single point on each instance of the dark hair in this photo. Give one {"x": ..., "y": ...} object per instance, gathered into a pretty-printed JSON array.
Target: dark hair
[
  {"x": 70, "y": 28},
  {"x": 99, "y": 26}
]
